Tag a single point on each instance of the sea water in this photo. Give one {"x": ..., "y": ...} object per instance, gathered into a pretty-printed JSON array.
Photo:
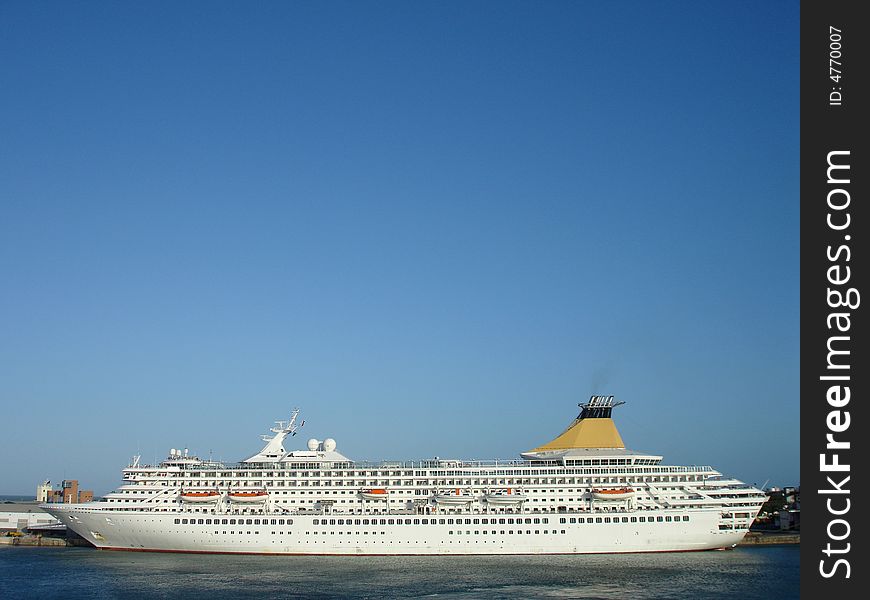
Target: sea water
[{"x": 743, "y": 573}]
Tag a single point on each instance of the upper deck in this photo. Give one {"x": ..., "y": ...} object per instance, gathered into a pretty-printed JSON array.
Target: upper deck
[{"x": 591, "y": 445}]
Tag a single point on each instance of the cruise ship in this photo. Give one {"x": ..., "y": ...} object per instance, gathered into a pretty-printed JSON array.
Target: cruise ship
[{"x": 582, "y": 492}]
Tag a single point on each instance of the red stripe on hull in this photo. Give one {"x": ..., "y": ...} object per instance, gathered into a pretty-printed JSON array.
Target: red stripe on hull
[{"x": 115, "y": 549}]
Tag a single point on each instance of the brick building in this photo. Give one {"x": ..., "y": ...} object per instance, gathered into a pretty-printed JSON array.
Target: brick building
[{"x": 69, "y": 493}]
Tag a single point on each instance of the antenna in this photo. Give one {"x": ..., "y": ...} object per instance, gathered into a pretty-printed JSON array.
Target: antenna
[{"x": 292, "y": 428}]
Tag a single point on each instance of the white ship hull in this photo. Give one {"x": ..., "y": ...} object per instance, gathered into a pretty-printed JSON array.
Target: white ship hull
[
  {"x": 158, "y": 531},
  {"x": 318, "y": 501}
]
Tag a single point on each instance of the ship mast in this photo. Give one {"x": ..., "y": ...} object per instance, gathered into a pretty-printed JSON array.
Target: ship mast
[{"x": 274, "y": 448}]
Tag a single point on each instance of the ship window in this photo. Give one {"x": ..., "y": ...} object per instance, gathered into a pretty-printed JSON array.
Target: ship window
[
  {"x": 407, "y": 521},
  {"x": 659, "y": 519},
  {"x": 393, "y": 522},
  {"x": 365, "y": 521},
  {"x": 256, "y": 521},
  {"x": 607, "y": 519},
  {"x": 562, "y": 520},
  {"x": 536, "y": 521},
  {"x": 249, "y": 522},
  {"x": 625, "y": 519},
  {"x": 208, "y": 521},
  {"x": 598, "y": 519},
  {"x": 223, "y": 521},
  {"x": 668, "y": 519},
  {"x": 177, "y": 521},
  {"x": 642, "y": 519},
  {"x": 184, "y": 521},
  {"x": 356, "y": 521},
  {"x": 199, "y": 522},
  {"x": 341, "y": 521},
  {"x": 468, "y": 521},
  {"x": 686, "y": 518},
  {"x": 634, "y": 519},
  {"x": 477, "y": 521},
  {"x": 280, "y": 521},
  {"x": 332, "y": 521},
  {"x": 425, "y": 521},
  {"x": 440, "y": 521}
]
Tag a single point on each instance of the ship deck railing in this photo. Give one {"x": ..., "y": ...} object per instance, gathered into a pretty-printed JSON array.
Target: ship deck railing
[{"x": 442, "y": 465}]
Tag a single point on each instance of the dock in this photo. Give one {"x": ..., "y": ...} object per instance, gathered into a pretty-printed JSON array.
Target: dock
[{"x": 771, "y": 538}]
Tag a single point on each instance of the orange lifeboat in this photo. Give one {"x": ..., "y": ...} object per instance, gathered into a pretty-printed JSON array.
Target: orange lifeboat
[
  {"x": 375, "y": 493},
  {"x": 612, "y": 494},
  {"x": 456, "y": 497},
  {"x": 200, "y": 496},
  {"x": 248, "y": 496}
]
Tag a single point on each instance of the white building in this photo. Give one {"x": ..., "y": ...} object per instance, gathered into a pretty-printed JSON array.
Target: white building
[
  {"x": 42, "y": 491},
  {"x": 18, "y": 516}
]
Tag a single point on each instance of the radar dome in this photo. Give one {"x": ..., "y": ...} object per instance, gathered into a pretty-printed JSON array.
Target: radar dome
[
  {"x": 329, "y": 444},
  {"x": 313, "y": 444}
]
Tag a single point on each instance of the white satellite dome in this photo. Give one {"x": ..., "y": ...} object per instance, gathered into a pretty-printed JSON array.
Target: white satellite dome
[
  {"x": 313, "y": 444},
  {"x": 329, "y": 444}
]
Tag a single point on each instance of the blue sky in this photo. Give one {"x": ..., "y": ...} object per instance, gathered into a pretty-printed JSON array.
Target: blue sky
[{"x": 434, "y": 226}]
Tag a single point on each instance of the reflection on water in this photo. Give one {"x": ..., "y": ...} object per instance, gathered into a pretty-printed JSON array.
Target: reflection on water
[{"x": 70, "y": 573}]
